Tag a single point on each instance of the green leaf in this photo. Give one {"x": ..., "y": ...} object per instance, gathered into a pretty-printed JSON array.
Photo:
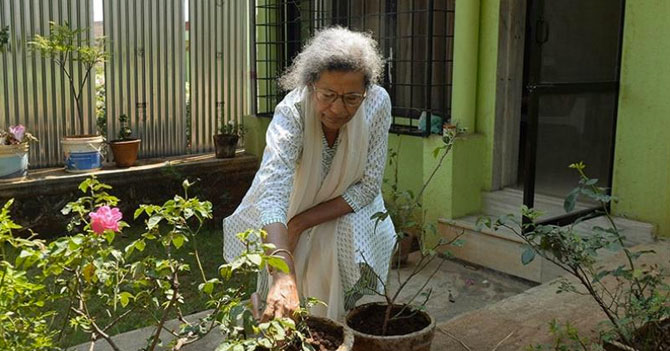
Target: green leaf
[
  {"x": 88, "y": 272},
  {"x": 153, "y": 221},
  {"x": 591, "y": 181},
  {"x": 277, "y": 262},
  {"x": 178, "y": 240},
  {"x": 109, "y": 236},
  {"x": 124, "y": 298},
  {"x": 140, "y": 244},
  {"x": 138, "y": 212},
  {"x": 436, "y": 152},
  {"x": 255, "y": 259},
  {"x": 528, "y": 256},
  {"x": 570, "y": 201}
]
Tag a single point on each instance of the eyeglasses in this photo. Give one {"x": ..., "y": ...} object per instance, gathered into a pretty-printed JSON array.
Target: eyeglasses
[{"x": 328, "y": 97}]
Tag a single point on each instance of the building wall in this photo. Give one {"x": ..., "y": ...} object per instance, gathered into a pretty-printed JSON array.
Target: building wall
[{"x": 642, "y": 151}]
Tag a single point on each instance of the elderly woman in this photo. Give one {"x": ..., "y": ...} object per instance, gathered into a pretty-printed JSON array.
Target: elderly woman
[{"x": 320, "y": 179}]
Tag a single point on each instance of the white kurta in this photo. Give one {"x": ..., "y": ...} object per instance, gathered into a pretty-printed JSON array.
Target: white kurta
[{"x": 332, "y": 269}]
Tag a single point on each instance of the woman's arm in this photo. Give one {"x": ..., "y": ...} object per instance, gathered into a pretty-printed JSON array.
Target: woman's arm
[
  {"x": 283, "y": 295},
  {"x": 321, "y": 213}
]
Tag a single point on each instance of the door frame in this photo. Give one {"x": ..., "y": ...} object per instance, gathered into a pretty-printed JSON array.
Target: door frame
[{"x": 509, "y": 94}]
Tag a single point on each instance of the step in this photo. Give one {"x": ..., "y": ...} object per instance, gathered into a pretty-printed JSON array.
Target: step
[{"x": 501, "y": 250}]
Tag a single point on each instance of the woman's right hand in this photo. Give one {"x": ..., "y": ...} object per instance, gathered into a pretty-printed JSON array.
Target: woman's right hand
[
  {"x": 295, "y": 229},
  {"x": 282, "y": 298}
]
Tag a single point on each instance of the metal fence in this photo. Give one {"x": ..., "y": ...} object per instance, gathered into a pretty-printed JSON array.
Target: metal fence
[
  {"x": 33, "y": 91},
  {"x": 177, "y": 68}
]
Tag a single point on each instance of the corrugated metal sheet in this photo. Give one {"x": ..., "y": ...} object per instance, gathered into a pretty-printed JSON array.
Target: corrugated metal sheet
[
  {"x": 34, "y": 91},
  {"x": 146, "y": 76},
  {"x": 219, "y": 48}
]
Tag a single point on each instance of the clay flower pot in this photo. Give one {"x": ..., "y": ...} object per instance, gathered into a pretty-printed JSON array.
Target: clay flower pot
[
  {"x": 225, "y": 145},
  {"x": 420, "y": 329},
  {"x": 125, "y": 151},
  {"x": 333, "y": 328}
]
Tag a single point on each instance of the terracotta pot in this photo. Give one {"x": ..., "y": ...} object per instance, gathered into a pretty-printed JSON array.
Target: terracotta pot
[
  {"x": 125, "y": 151},
  {"x": 420, "y": 340},
  {"x": 333, "y": 328},
  {"x": 225, "y": 145}
]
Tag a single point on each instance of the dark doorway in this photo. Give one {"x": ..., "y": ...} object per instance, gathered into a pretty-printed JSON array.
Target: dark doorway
[{"x": 571, "y": 82}]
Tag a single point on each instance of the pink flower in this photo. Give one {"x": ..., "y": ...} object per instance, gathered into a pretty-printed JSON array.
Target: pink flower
[
  {"x": 18, "y": 131},
  {"x": 105, "y": 218}
]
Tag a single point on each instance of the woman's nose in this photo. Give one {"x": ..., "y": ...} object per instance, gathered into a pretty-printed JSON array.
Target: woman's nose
[{"x": 338, "y": 107}]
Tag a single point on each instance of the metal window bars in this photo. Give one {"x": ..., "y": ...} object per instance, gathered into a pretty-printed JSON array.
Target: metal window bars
[{"x": 416, "y": 38}]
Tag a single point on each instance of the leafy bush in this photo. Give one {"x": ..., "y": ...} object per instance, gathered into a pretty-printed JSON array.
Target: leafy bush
[
  {"x": 84, "y": 270},
  {"x": 637, "y": 295}
]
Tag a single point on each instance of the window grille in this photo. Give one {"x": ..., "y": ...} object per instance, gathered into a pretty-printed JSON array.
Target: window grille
[{"x": 415, "y": 37}]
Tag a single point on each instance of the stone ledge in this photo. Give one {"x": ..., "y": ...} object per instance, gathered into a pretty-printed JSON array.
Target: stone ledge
[{"x": 40, "y": 196}]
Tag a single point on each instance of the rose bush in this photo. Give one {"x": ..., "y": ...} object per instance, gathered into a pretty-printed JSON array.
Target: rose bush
[{"x": 99, "y": 285}]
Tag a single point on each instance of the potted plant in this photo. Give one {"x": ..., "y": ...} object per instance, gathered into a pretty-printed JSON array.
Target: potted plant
[
  {"x": 392, "y": 324},
  {"x": 634, "y": 296},
  {"x": 125, "y": 148},
  {"x": 225, "y": 142},
  {"x": 83, "y": 152},
  {"x": 14, "y": 147}
]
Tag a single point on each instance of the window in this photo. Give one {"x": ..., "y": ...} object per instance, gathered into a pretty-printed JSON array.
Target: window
[{"x": 415, "y": 37}]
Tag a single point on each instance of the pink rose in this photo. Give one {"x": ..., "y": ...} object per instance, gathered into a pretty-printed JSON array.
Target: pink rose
[
  {"x": 18, "y": 131},
  {"x": 105, "y": 218}
]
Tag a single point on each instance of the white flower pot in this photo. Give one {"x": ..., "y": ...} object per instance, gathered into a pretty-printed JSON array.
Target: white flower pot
[
  {"x": 14, "y": 161},
  {"x": 83, "y": 153}
]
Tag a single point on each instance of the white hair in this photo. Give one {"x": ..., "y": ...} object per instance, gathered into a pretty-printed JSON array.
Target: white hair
[{"x": 335, "y": 49}]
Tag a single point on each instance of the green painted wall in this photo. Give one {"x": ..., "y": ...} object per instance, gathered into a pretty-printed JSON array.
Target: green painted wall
[
  {"x": 254, "y": 136},
  {"x": 408, "y": 149},
  {"x": 486, "y": 85},
  {"x": 642, "y": 151}
]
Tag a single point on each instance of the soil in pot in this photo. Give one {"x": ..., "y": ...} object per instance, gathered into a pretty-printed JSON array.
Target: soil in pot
[
  {"x": 371, "y": 321},
  {"x": 326, "y": 335}
]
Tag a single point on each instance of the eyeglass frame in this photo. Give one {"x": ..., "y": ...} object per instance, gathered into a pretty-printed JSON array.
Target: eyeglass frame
[{"x": 341, "y": 97}]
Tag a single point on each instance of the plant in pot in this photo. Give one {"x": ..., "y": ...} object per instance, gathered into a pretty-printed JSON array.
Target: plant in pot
[
  {"x": 14, "y": 148},
  {"x": 82, "y": 152},
  {"x": 225, "y": 142},
  {"x": 404, "y": 325},
  {"x": 125, "y": 148},
  {"x": 634, "y": 296}
]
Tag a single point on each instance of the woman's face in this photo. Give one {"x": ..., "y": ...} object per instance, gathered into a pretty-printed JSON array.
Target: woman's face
[{"x": 337, "y": 96}]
